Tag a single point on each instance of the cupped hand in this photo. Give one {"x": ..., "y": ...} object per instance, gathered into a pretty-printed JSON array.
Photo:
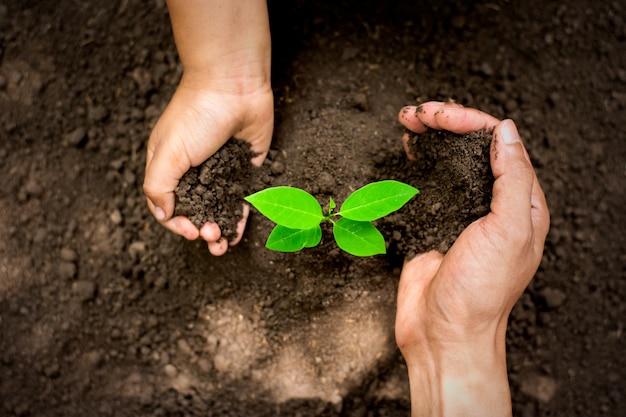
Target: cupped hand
[
  {"x": 199, "y": 119},
  {"x": 456, "y": 306}
]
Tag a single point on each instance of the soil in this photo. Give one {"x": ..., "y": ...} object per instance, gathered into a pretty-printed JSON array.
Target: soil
[
  {"x": 105, "y": 313},
  {"x": 455, "y": 181},
  {"x": 452, "y": 170},
  {"x": 214, "y": 191}
]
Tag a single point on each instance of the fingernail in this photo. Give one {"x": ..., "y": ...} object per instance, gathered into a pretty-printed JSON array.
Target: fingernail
[
  {"x": 509, "y": 132},
  {"x": 159, "y": 213}
]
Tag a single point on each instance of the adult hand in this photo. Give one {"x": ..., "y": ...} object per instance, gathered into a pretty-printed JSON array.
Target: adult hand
[
  {"x": 452, "y": 310},
  {"x": 195, "y": 124},
  {"x": 225, "y": 92}
]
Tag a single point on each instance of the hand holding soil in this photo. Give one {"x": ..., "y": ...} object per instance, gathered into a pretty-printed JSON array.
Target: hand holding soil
[
  {"x": 453, "y": 309},
  {"x": 192, "y": 128},
  {"x": 233, "y": 98}
]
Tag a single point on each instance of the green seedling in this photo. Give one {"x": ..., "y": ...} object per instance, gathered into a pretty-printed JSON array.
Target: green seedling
[{"x": 298, "y": 216}]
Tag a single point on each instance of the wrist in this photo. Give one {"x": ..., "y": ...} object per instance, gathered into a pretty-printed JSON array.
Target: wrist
[
  {"x": 223, "y": 40},
  {"x": 463, "y": 378},
  {"x": 229, "y": 77}
]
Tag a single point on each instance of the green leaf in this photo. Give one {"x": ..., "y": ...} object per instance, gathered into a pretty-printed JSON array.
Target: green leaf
[
  {"x": 288, "y": 206},
  {"x": 376, "y": 200},
  {"x": 313, "y": 237},
  {"x": 358, "y": 238},
  {"x": 283, "y": 239}
]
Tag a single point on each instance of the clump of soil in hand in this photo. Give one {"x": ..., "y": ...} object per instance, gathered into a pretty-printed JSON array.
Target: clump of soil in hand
[
  {"x": 453, "y": 174},
  {"x": 214, "y": 190}
]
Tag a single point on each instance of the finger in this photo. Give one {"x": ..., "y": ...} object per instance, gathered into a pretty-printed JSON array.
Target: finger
[
  {"x": 156, "y": 211},
  {"x": 241, "y": 225},
  {"x": 210, "y": 232},
  {"x": 416, "y": 273},
  {"x": 218, "y": 248},
  {"x": 410, "y": 116},
  {"x": 182, "y": 226},
  {"x": 164, "y": 168},
  {"x": 415, "y": 276},
  {"x": 258, "y": 160},
  {"x": 427, "y": 112},
  {"x": 407, "y": 148},
  {"x": 514, "y": 179},
  {"x": 457, "y": 119},
  {"x": 414, "y": 117},
  {"x": 540, "y": 215}
]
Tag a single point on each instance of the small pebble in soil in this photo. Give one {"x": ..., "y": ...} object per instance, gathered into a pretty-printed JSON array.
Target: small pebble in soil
[
  {"x": 84, "y": 290},
  {"x": 68, "y": 255},
  {"x": 67, "y": 270},
  {"x": 170, "y": 370}
]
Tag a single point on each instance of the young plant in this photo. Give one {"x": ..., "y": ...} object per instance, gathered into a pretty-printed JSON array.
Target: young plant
[{"x": 298, "y": 216}]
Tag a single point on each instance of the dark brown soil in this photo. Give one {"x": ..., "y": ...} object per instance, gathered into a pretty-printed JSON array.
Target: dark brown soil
[
  {"x": 455, "y": 181},
  {"x": 451, "y": 170},
  {"x": 105, "y": 313},
  {"x": 214, "y": 190}
]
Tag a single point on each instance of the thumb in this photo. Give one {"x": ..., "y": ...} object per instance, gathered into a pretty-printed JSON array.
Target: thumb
[
  {"x": 414, "y": 279},
  {"x": 514, "y": 177},
  {"x": 416, "y": 274},
  {"x": 164, "y": 168}
]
